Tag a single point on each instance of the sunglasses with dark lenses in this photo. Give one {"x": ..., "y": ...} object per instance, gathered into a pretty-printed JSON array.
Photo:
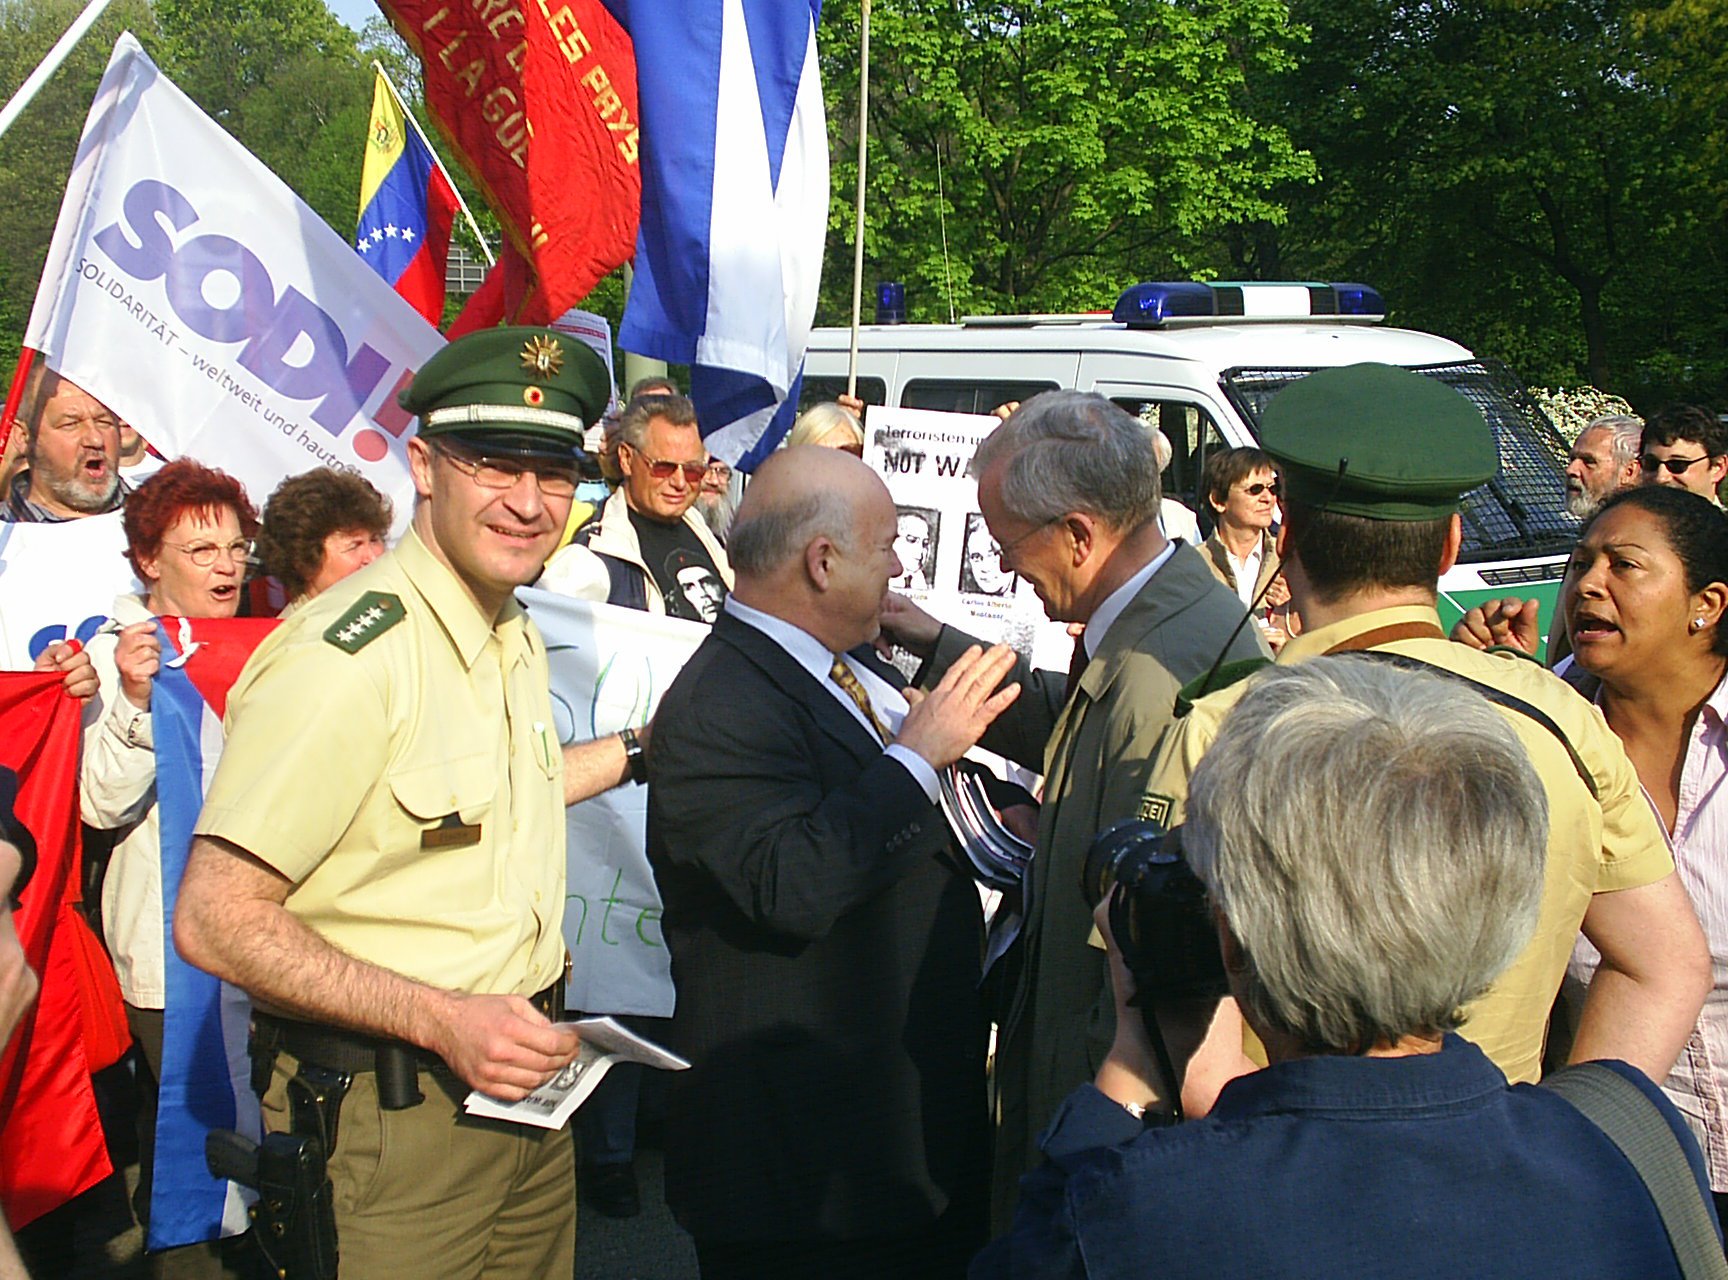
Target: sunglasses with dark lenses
[
  {"x": 1676, "y": 466},
  {"x": 663, "y": 469},
  {"x": 1259, "y": 487}
]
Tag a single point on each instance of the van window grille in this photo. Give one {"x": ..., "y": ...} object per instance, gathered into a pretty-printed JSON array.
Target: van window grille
[{"x": 1522, "y": 510}]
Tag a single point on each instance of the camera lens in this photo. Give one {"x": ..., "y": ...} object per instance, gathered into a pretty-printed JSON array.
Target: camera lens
[
  {"x": 1116, "y": 845},
  {"x": 1160, "y": 916}
]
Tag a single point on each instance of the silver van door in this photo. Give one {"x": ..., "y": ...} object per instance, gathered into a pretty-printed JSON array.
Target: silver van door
[
  {"x": 973, "y": 381},
  {"x": 1191, "y": 425}
]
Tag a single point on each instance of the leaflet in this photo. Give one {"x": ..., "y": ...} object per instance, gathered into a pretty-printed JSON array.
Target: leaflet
[{"x": 604, "y": 1041}]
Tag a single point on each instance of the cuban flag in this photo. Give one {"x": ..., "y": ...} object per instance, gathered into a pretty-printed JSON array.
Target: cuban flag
[
  {"x": 734, "y": 207},
  {"x": 206, "y": 1076},
  {"x": 407, "y": 207}
]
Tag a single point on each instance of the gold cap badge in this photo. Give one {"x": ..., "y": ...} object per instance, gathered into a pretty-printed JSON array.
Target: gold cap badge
[{"x": 542, "y": 356}]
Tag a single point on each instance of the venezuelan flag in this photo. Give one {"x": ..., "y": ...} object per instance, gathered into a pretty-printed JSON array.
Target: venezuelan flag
[{"x": 406, "y": 208}]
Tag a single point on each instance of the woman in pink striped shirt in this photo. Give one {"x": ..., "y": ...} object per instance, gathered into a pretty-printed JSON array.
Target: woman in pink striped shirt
[{"x": 1643, "y": 602}]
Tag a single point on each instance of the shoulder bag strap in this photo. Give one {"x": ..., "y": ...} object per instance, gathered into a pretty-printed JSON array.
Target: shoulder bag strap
[
  {"x": 1500, "y": 698},
  {"x": 1633, "y": 1124}
]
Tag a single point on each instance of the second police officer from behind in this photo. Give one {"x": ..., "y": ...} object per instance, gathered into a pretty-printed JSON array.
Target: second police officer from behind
[
  {"x": 380, "y": 860},
  {"x": 1375, "y": 461}
]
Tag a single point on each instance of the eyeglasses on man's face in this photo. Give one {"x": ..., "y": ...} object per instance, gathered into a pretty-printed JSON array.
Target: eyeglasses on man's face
[
  {"x": 1005, "y": 551},
  {"x": 556, "y": 479}
]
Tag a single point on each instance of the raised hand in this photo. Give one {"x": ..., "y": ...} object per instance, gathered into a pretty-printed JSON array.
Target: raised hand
[
  {"x": 906, "y": 625},
  {"x": 945, "y": 723},
  {"x": 1508, "y": 621},
  {"x": 138, "y": 657}
]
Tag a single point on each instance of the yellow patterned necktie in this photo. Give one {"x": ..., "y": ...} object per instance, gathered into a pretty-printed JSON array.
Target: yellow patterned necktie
[{"x": 841, "y": 674}]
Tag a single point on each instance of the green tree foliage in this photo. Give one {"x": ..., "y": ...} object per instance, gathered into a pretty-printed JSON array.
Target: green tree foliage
[
  {"x": 1519, "y": 174},
  {"x": 222, "y": 53},
  {"x": 36, "y": 153},
  {"x": 1063, "y": 149},
  {"x": 287, "y": 79}
]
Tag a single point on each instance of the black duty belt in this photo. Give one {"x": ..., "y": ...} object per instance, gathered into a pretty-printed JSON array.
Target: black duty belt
[{"x": 354, "y": 1051}]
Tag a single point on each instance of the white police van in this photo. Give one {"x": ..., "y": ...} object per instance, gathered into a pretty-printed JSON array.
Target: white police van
[{"x": 1201, "y": 360}]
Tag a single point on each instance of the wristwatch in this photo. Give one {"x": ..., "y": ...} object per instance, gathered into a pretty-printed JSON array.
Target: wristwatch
[{"x": 634, "y": 755}]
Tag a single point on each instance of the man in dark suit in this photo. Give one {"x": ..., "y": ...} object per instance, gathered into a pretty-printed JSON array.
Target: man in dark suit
[{"x": 824, "y": 947}]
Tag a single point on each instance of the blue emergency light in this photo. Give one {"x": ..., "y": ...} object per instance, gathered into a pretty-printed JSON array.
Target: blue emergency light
[{"x": 1147, "y": 306}]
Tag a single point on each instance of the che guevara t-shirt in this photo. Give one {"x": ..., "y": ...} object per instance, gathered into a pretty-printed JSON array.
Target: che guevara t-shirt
[{"x": 688, "y": 580}]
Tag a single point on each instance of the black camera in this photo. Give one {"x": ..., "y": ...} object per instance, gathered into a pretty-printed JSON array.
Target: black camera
[{"x": 1159, "y": 912}]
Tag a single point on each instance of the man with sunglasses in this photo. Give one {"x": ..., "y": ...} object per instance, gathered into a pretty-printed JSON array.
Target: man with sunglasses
[
  {"x": 380, "y": 861},
  {"x": 1685, "y": 446},
  {"x": 649, "y": 530}
]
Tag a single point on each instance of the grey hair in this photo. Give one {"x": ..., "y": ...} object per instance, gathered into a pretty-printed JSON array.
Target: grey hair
[
  {"x": 633, "y": 422},
  {"x": 1376, "y": 840},
  {"x": 1625, "y": 435},
  {"x": 821, "y": 421},
  {"x": 761, "y": 541},
  {"x": 1073, "y": 451}
]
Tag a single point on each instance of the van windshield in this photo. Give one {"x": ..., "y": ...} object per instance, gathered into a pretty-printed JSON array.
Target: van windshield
[{"x": 1522, "y": 510}]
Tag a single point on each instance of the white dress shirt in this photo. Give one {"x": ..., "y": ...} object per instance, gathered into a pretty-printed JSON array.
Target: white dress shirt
[{"x": 1106, "y": 614}]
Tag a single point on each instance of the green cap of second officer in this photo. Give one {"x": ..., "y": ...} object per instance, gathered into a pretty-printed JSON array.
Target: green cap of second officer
[
  {"x": 1377, "y": 441},
  {"x": 519, "y": 389}
]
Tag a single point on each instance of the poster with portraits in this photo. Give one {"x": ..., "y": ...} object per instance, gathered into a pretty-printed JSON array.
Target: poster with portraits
[{"x": 950, "y": 563}]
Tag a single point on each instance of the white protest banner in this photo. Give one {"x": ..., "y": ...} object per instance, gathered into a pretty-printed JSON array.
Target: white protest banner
[
  {"x": 950, "y": 559},
  {"x": 593, "y": 330},
  {"x": 198, "y": 297},
  {"x": 58, "y": 582},
  {"x": 609, "y": 667}
]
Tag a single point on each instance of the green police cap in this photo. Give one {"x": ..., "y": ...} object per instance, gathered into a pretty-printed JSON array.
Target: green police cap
[
  {"x": 534, "y": 387},
  {"x": 1378, "y": 441}
]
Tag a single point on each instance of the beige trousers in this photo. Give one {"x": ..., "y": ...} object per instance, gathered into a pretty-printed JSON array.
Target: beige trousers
[{"x": 437, "y": 1195}]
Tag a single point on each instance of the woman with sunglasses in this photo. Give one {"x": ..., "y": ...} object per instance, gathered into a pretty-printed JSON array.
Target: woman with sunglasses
[
  {"x": 1643, "y": 601},
  {"x": 189, "y": 533},
  {"x": 1241, "y": 491}
]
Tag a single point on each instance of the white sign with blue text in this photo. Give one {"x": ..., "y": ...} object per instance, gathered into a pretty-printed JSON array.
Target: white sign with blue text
[
  {"x": 190, "y": 290},
  {"x": 610, "y": 666}
]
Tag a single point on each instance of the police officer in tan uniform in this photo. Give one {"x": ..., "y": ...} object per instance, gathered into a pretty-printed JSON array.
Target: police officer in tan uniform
[
  {"x": 1375, "y": 460},
  {"x": 380, "y": 860}
]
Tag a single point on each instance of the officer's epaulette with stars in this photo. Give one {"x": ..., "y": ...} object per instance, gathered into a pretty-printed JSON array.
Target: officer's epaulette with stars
[
  {"x": 1219, "y": 678},
  {"x": 372, "y": 615}
]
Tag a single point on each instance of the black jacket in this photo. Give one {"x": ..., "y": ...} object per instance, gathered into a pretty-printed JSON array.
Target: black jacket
[{"x": 826, "y": 955}]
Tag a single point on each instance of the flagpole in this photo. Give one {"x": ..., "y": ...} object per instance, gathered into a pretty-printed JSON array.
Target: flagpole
[
  {"x": 858, "y": 226},
  {"x": 49, "y": 65},
  {"x": 15, "y": 395},
  {"x": 421, "y": 134}
]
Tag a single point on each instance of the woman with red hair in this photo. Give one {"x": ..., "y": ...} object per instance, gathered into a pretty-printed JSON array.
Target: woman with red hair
[{"x": 189, "y": 536}]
